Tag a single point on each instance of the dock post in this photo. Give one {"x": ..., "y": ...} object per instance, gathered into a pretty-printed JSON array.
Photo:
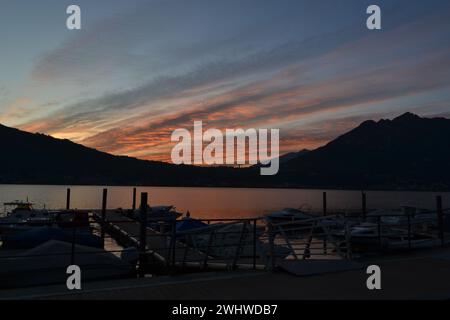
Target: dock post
[
  {"x": 324, "y": 203},
  {"x": 143, "y": 234},
  {"x": 134, "y": 199},
  {"x": 440, "y": 217},
  {"x": 68, "y": 199},
  {"x": 364, "y": 205},
  {"x": 104, "y": 199}
]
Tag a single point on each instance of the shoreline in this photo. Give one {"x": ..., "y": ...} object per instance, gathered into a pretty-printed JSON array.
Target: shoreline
[{"x": 324, "y": 189}]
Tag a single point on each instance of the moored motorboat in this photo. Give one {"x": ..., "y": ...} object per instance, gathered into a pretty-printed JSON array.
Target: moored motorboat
[
  {"x": 402, "y": 216},
  {"x": 287, "y": 215},
  {"x": 157, "y": 213},
  {"x": 367, "y": 237},
  {"x": 23, "y": 217},
  {"x": 189, "y": 224},
  {"x": 36, "y": 236},
  {"x": 47, "y": 264}
]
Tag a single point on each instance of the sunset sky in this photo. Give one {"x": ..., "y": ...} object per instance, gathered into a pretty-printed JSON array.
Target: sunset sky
[{"x": 140, "y": 69}]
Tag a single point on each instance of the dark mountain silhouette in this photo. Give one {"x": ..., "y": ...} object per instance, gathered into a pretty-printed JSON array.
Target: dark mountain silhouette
[
  {"x": 408, "y": 152},
  {"x": 41, "y": 159},
  {"x": 293, "y": 155}
]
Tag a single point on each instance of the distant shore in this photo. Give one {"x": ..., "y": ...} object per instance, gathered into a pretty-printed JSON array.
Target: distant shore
[{"x": 318, "y": 188}]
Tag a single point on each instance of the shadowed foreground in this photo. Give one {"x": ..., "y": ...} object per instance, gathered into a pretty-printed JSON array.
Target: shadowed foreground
[{"x": 403, "y": 277}]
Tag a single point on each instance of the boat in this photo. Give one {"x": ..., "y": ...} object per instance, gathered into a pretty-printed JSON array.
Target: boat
[
  {"x": 403, "y": 216},
  {"x": 229, "y": 240},
  {"x": 294, "y": 222},
  {"x": 23, "y": 217},
  {"x": 72, "y": 219},
  {"x": 159, "y": 218},
  {"x": 47, "y": 263},
  {"x": 187, "y": 224},
  {"x": 287, "y": 215},
  {"x": 368, "y": 236},
  {"x": 157, "y": 213},
  {"x": 36, "y": 236}
]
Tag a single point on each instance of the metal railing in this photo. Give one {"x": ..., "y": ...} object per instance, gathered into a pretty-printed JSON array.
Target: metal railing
[{"x": 230, "y": 244}]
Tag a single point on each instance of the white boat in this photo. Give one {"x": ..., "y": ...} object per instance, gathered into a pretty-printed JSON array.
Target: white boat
[
  {"x": 369, "y": 236},
  {"x": 47, "y": 263},
  {"x": 402, "y": 216},
  {"x": 23, "y": 217},
  {"x": 228, "y": 240},
  {"x": 287, "y": 215},
  {"x": 157, "y": 213}
]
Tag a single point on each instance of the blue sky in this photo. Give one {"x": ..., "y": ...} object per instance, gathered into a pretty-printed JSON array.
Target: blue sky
[{"x": 139, "y": 69}]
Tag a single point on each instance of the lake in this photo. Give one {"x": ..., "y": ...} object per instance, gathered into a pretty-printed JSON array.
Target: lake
[{"x": 217, "y": 202}]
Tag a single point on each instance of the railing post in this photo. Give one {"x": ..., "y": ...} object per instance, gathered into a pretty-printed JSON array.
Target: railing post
[
  {"x": 364, "y": 204},
  {"x": 380, "y": 238},
  {"x": 174, "y": 242},
  {"x": 68, "y": 199},
  {"x": 271, "y": 246},
  {"x": 72, "y": 255},
  {"x": 440, "y": 217},
  {"x": 240, "y": 244},
  {"x": 348, "y": 241},
  {"x": 103, "y": 226},
  {"x": 210, "y": 243},
  {"x": 254, "y": 244},
  {"x": 143, "y": 234},
  {"x": 409, "y": 231},
  {"x": 324, "y": 205},
  {"x": 134, "y": 199}
]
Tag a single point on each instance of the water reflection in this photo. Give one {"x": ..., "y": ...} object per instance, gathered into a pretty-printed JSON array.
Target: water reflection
[{"x": 217, "y": 202}]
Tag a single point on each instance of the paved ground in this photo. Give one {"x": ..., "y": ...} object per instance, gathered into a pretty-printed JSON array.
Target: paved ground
[{"x": 403, "y": 277}]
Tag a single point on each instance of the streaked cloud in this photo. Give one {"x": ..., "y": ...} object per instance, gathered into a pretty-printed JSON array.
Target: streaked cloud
[{"x": 296, "y": 65}]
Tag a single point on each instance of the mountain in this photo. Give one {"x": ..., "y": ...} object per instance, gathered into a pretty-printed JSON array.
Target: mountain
[
  {"x": 41, "y": 159},
  {"x": 293, "y": 155},
  {"x": 408, "y": 152}
]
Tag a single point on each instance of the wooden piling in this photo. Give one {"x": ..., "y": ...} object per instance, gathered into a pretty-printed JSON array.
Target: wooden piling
[
  {"x": 143, "y": 234},
  {"x": 68, "y": 199},
  {"x": 103, "y": 226},
  {"x": 324, "y": 203},
  {"x": 440, "y": 217}
]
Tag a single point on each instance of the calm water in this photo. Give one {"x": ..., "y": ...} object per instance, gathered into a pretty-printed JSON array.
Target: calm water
[{"x": 217, "y": 202}]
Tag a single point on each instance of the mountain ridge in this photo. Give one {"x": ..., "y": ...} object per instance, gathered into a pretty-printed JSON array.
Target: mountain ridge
[
  {"x": 407, "y": 153},
  {"x": 405, "y": 150}
]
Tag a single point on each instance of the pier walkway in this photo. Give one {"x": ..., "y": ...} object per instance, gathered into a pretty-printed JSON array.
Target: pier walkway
[
  {"x": 164, "y": 249},
  {"x": 158, "y": 246},
  {"x": 403, "y": 277}
]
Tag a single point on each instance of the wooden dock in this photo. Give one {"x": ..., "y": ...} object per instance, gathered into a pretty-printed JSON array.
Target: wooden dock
[
  {"x": 163, "y": 250},
  {"x": 159, "y": 247}
]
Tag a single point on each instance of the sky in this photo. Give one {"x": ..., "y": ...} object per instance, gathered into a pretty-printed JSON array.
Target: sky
[{"x": 139, "y": 69}]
